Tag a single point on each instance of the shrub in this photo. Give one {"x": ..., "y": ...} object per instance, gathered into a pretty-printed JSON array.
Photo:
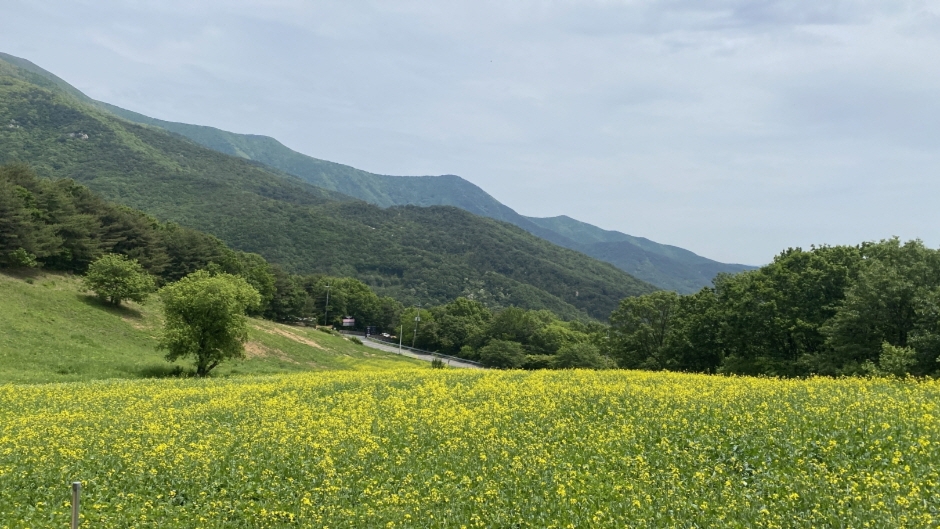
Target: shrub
[
  {"x": 20, "y": 258},
  {"x": 579, "y": 355},
  {"x": 502, "y": 354},
  {"x": 539, "y": 361},
  {"x": 893, "y": 360}
]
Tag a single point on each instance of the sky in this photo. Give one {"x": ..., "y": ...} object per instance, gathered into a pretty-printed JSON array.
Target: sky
[{"x": 732, "y": 128}]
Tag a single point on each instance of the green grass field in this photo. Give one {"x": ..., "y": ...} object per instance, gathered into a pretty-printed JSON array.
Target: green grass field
[{"x": 50, "y": 331}]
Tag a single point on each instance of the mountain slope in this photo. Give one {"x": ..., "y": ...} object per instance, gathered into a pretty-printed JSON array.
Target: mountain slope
[
  {"x": 662, "y": 265},
  {"x": 418, "y": 255},
  {"x": 381, "y": 190},
  {"x": 668, "y": 267}
]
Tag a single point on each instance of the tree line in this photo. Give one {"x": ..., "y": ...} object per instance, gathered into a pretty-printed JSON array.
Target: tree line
[
  {"x": 872, "y": 308},
  {"x": 507, "y": 338},
  {"x": 869, "y": 309}
]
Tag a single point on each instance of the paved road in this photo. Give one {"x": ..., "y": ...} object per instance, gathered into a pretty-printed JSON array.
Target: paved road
[{"x": 404, "y": 352}]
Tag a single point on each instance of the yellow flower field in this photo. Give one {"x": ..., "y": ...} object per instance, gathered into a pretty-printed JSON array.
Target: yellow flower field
[{"x": 436, "y": 448}]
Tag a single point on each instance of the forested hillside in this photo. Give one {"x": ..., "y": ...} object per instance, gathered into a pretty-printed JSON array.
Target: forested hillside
[
  {"x": 417, "y": 255},
  {"x": 664, "y": 266},
  {"x": 62, "y": 226},
  {"x": 381, "y": 190}
]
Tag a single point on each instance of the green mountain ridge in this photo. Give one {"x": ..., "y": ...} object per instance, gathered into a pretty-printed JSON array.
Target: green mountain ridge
[
  {"x": 381, "y": 190},
  {"x": 668, "y": 267},
  {"x": 665, "y": 266},
  {"x": 418, "y": 255}
]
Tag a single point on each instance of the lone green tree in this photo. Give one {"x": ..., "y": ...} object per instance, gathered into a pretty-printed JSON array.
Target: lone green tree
[
  {"x": 205, "y": 318},
  {"x": 114, "y": 278}
]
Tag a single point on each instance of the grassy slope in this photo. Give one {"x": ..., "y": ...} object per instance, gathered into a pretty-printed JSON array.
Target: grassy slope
[
  {"x": 53, "y": 332},
  {"x": 297, "y": 225}
]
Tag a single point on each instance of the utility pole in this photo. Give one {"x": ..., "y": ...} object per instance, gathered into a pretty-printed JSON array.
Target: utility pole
[
  {"x": 326, "y": 307},
  {"x": 417, "y": 319},
  {"x": 607, "y": 349}
]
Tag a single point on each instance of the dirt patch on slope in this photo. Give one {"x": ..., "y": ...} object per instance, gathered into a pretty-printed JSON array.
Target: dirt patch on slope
[
  {"x": 135, "y": 323},
  {"x": 259, "y": 350},
  {"x": 291, "y": 336}
]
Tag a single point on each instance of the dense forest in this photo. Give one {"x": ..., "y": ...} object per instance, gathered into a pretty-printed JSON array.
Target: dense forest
[{"x": 831, "y": 310}]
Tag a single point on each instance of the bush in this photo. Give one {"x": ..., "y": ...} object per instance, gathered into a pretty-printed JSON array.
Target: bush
[
  {"x": 502, "y": 354},
  {"x": 355, "y": 340},
  {"x": 438, "y": 363},
  {"x": 896, "y": 361},
  {"x": 579, "y": 355},
  {"x": 20, "y": 258},
  {"x": 469, "y": 353},
  {"x": 539, "y": 361}
]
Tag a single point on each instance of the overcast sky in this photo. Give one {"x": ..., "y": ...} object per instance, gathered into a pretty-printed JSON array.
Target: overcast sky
[{"x": 732, "y": 128}]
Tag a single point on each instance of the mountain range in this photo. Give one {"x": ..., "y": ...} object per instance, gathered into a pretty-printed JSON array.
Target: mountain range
[
  {"x": 426, "y": 255},
  {"x": 665, "y": 266}
]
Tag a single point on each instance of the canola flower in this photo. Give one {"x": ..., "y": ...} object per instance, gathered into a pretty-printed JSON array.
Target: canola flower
[{"x": 438, "y": 448}]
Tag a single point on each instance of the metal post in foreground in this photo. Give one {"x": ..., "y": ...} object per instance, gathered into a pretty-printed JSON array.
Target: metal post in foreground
[{"x": 76, "y": 492}]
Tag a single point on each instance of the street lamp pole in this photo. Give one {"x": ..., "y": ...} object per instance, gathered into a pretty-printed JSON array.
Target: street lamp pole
[
  {"x": 414, "y": 339},
  {"x": 607, "y": 349},
  {"x": 326, "y": 307}
]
